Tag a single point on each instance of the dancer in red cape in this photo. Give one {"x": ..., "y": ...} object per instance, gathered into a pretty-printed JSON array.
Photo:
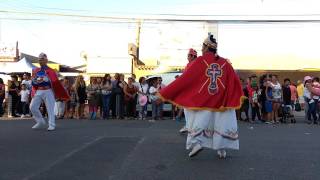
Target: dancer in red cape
[
  {"x": 210, "y": 91},
  {"x": 46, "y": 88},
  {"x": 192, "y": 55}
]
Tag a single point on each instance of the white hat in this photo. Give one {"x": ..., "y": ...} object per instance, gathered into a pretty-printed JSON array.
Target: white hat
[{"x": 43, "y": 56}]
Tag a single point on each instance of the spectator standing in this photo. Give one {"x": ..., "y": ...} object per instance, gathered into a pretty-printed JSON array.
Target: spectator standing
[
  {"x": 143, "y": 97},
  {"x": 268, "y": 102},
  {"x": 106, "y": 95},
  {"x": 27, "y": 81},
  {"x": 137, "y": 85},
  {"x": 263, "y": 98},
  {"x": 160, "y": 86},
  {"x": 316, "y": 98},
  {"x": 60, "y": 106},
  {"x": 245, "y": 105},
  {"x": 130, "y": 92},
  {"x": 99, "y": 97},
  {"x": 25, "y": 98},
  {"x": 294, "y": 95},
  {"x": 14, "y": 88},
  {"x": 2, "y": 96},
  {"x": 310, "y": 103},
  {"x": 120, "y": 106},
  {"x": 286, "y": 91},
  {"x": 72, "y": 103},
  {"x": 115, "y": 92},
  {"x": 255, "y": 104},
  {"x": 92, "y": 98},
  {"x": 276, "y": 97},
  {"x": 81, "y": 92},
  {"x": 300, "y": 89},
  {"x": 153, "y": 90}
]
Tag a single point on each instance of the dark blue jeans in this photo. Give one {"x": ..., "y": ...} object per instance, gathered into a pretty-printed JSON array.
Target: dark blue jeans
[
  {"x": 24, "y": 106},
  {"x": 143, "y": 111},
  {"x": 155, "y": 110},
  {"x": 106, "y": 105},
  {"x": 1, "y": 108},
  {"x": 312, "y": 111}
]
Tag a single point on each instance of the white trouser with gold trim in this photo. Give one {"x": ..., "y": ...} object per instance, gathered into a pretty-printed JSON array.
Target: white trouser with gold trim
[
  {"x": 214, "y": 130},
  {"x": 47, "y": 97}
]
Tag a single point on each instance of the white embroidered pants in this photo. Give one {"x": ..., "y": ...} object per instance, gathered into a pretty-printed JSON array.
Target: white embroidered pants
[
  {"x": 214, "y": 130},
  {"x": 47, "y": 97}
]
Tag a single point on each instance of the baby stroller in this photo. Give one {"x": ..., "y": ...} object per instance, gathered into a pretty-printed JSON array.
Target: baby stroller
[{"x": 287, "y": 114}]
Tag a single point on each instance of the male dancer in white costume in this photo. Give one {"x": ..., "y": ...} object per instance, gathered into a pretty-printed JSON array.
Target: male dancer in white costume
[
  {"x": 210, "y": 91},
  {"x": 45, "y": 88},
  {"x": 192, "y": 55}
]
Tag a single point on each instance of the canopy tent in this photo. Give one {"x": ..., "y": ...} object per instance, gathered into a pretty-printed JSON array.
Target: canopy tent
[{"x": 17, "y": 67}]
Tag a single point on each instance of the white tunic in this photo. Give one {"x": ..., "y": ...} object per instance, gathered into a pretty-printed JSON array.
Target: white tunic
[{"x": 214, "y": 130}]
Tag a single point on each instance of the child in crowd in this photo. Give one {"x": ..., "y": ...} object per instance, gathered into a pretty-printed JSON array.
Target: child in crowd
[
  {"x": 143, "y": 98},
  {"x": 255, "y": 104},
  {"x": 154, "y": 101},
  {"x": 24, "y": 95}
]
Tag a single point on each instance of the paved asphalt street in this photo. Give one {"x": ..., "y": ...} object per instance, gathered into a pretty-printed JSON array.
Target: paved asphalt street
[{"x": 140, "y": 150}]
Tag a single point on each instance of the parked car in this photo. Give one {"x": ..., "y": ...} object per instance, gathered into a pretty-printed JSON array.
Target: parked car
[{"x": 167, "y": 78}]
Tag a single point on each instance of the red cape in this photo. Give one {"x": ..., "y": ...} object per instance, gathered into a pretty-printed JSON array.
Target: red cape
[
  {"x": 209, "y": 83},
  {"x": 58, "y": 89}
]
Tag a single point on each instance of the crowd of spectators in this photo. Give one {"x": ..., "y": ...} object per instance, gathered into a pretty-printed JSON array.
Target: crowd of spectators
[{"x": 267, "y": 100}]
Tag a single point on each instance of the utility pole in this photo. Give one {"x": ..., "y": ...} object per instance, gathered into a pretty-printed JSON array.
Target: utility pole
[
  {"x": 137, "y": 57},
  {"x": 138, "y": 38},
  {"x": 0, "y": 30}
]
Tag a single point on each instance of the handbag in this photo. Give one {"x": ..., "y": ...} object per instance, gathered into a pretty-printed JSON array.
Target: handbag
[{"x": 297, "y": 107}]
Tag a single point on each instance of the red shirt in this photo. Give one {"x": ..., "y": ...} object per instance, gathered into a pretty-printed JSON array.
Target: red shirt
[{"x": 294, "y": 93}]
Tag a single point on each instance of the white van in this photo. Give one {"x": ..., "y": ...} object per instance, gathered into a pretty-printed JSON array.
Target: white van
[{"x": 167, "y": 78}]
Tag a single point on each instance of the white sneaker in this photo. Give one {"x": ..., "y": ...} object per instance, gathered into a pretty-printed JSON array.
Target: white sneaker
[
  {"x": 183, "y": 130},
  {"x": 38, "y": 125},
  {"x": 23, "y": 116},
  {"x": 50, "y": 128},
  {"x": 152, "y": 120},
  {"x": 222, "y": 154},
  {"x": 195, "y": 150}
]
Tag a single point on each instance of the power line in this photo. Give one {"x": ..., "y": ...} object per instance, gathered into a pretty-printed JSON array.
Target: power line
[
  {"x": 165, "y": 17},
  {"x": 32, "y": 6}
]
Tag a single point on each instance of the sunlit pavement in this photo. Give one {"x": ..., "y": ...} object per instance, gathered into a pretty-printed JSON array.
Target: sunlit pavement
[{"x": 138, "y": 150}]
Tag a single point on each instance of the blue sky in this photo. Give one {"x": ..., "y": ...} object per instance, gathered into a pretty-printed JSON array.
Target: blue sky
[
  {"x": 150, "y": 6},
  {"x": 121, "y": 6}
]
